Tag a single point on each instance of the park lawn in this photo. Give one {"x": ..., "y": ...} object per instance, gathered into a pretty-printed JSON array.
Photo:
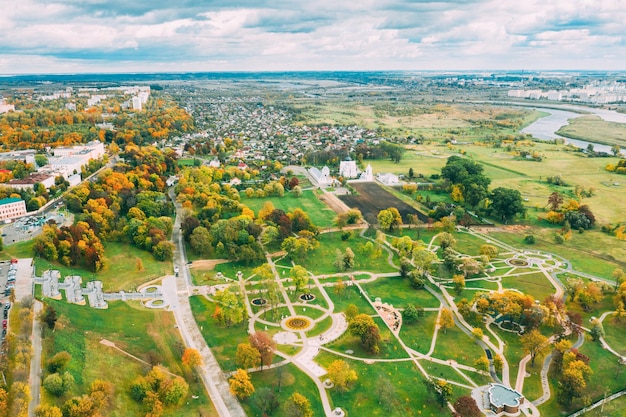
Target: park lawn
[
  {"x": 535, "y": 284},
  {"x": 18, "y": 250},
  {"x": 320, "y": 261},
  {"x": 313, "y": 313},
  {"x": 418, "y": 335},
  {"x": 468, "y": 244},
  {"x": 203, "y": 276},
  {"x": 321, "y": 215},
  {"x": 398, "y": 292},
  {"x": 478, "y": 285},
  {"x": 532, "y": 384},
  {"x": 409, "y": 395},
  {"x": 423, "y": 233},
  {"x": 293, "y": 380},
  {"x": 121, "y": 272},
  {"x": 447, "y": 347},
  {"x": 615, "y": 334},
  {"x": 223, "y": 341},
  {"x": 606, "y": 304},
  {"x": 440, "y": 371},
  {"x": 389, "y": 346},
  {"x": 351, "y": 296},
  {"x": 320, "y": 327},
  {"x": 230, "y": 269},
  {"x": 319, "y": 299},
  {"x": 608, "y": 374},
  {"x": 592, "y": 252},
  {"x": 147, "y": 334},
  {"x": 613, "y": 408}
]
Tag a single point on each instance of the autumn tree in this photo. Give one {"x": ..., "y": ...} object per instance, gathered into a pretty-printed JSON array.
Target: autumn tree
[
  {"x": 389, "y": 219},
  {"x": 341, "y": 375},
  {"x": 264, "y": 343},
  {"x": 446, "y": 320},
  {"x": 191, "y": 358},
  {"x": 466, "y": 406},
  {"x": 534, "y": 344},
  {"x": 555, "y": 200},
  {"x": 298, "y": 406},
  {"x": 240, "y": 384},
  {"x": 247, "y": 356},
  {"x": 459, "y": 283},
  {"x": 46, "y": 411},
  {"x": 489, "y": 250},
  {"x": 58, "y": 362},
  {"x": 366, "y": 329}
]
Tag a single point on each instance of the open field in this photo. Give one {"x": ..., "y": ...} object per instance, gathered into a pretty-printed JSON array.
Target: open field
[
  {"x": 147, "y": 334},
  {"x": 321, "y": 215},
  {"x": 373, "y": 198},
  {"x": 121, "y": 273},
  {"x": 594, "y": 129}
]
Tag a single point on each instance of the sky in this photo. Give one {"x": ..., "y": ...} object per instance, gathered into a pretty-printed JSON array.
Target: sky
[{"x": 87, "y": 36}]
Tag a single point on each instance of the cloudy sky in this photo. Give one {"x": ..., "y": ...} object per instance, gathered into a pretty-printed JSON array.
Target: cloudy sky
[{"x": 69, "y": 36}]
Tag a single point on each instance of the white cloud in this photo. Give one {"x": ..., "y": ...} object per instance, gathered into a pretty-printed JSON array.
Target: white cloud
[{"x": 317, "y": 34}]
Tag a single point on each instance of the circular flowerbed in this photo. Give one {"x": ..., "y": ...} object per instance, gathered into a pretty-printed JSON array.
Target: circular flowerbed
[
  {"x": 298, "y": 323},
  {"x": 259, "y": 301},
  {"x": 307, "y": 297},
  {"x": 517, "y": 262}
]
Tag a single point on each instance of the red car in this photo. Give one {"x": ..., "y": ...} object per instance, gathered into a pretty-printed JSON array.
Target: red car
[{"x": 4, "y": 324}]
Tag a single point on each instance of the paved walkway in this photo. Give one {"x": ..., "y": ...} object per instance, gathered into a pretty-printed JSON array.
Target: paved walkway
[
  {"x": 178, "y": 293},
  {"x": 35, "y": 360}
]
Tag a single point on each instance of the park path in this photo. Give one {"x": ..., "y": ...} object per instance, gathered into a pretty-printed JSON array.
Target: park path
[
  {"x": 35, "y": 360},
  {"x": 178, "y": 292}
]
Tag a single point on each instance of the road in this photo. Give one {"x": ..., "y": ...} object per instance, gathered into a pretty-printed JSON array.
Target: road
[
  {"x": 35, "y": 361},
  {"x": 210, "y": 372}
]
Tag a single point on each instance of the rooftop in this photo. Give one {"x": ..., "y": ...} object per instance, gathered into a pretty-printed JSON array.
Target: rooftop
[
  {"x": 500, "y": 395},
  {"x": 9, "y": 200}
]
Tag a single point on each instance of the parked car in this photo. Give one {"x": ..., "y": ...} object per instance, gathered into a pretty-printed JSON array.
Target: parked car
[{"x": 7, "y": 306}]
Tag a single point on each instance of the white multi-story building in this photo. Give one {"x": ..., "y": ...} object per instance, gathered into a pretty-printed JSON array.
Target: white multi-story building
[
  {"x": 348, "y": 169},
  {"x": 136, "y": 103},
  {"x": 47, "y": 180},
  {"x": 12, "y": 208}
]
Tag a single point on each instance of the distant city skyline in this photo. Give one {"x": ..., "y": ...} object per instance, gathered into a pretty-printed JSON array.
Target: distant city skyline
[{"x": 85, "y": 36}]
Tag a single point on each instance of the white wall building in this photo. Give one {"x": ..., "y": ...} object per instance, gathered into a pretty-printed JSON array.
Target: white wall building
[
  {"x": 348, "y": 169},
  {"x": 322, "y": 177},
  {"x": 11, "y": 208},
  {"x": 368, "y": 174},
  {"x": 388, "y": 178}
]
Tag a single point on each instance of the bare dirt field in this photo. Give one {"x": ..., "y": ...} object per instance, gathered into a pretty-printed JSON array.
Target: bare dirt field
[{"x": 373, "y": 198}]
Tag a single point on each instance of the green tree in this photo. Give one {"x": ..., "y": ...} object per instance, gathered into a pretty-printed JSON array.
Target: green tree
[
  {"x": 58, "y": 362},
  {"x": 300, "y": 277},
  {"x": 49, "y": 316},
  {"x": 410, "y": 314},
  {"x": 266, "y": 400},
  {"x": 366, "y": 329},
  {"x": 441, "y": 389},
  {"x": 163, "y": 251},
  {"x": 506, "y": 203},
  {"x": 200, "y": 240}
]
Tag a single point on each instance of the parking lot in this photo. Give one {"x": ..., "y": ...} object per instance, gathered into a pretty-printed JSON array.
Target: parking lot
[{"x": 28, "y": 227}]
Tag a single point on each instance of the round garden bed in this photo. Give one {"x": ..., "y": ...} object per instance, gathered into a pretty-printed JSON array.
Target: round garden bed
[
  {"x": 307, "y": 297},
  {"x": 517, "y": 262},
  {"x": 259, "y": 302},
  {"x": 297, "y": 323}
]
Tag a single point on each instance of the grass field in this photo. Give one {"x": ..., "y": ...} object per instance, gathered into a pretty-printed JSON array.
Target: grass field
[
  {"x": 321, "y": 215},
  {"x": 409, "y": 392},
  {"x": 292, "y": 380},
  {"x": 320, "y": 261},
  {"x": 419, "y": 335},
  {"x": 147, "y": 334},
  {"x": 398, "y": 292},
  {"x": 590, "y": 252},
  {"x": 535, "y": 284},
  {"x": 223, "y": 341},
  {"x": 121, "y": 272},
  {"x": 594, "y": 129}
]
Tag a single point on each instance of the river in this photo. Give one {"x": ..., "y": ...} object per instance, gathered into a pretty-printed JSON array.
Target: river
[{"x": 546, "y": 127}]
